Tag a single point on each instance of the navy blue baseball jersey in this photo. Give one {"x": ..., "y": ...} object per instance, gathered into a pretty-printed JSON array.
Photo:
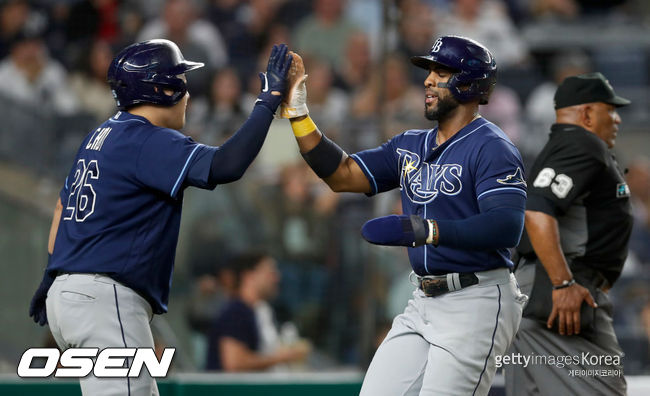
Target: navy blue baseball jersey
[
  {"x": 122, "y": 204},
  {"x": 447, "y": 182}
]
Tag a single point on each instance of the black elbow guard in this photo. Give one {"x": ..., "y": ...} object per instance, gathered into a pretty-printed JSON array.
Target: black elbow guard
[{"x": 325, "y": 158}]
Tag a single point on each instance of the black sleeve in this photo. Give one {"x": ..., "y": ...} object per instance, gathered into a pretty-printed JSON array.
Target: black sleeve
[{"x": 563, "y": 174}]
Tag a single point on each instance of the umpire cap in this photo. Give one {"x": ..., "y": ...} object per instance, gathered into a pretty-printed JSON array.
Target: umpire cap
[{"x": 587, "y": 88}]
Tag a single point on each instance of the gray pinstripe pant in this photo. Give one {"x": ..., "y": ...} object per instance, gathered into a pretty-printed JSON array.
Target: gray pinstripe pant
[
  {"x": 94, "y": 311},
  {"x": 446, "y": 345}
]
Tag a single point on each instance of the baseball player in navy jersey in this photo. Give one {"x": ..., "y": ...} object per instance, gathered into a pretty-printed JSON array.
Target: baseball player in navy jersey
[
  {"x": 463, "y": 197},
  {"x": 115, "y": 228}
]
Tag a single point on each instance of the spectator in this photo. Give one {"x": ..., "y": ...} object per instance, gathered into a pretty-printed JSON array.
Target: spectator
[
  {"x": 402, "y": 102},
  {"x": 247, "y": 28},
  {"x": 131, "y": 22},
  {"x": 554, "y": 9},
  {"x": 298, "y": 219},
  {"x": 196, "y": 37},
  {"x": 357, "y": 64},
  {"x": 487, "y": 21},
  {"x": 324, "y": 33},
  {"x": 32, "y": 78},
  {"x": 235, "y": 339},
  {"x": 298, "y": 228},
  {"x": 219, "y": 115},
  {"x": 210, "y": 292},
  {"x": 258, "y": 16},
  {"x": 505, "y": 110},
  {"x": 416, "y": 27},
  {"x": 93, "y": 19},
  {"x": 638, "y": 179},
  {"x": 13, "y": 17},
  {"x": 368, "y": 16},
  {"x": 539, "y": 107},
  {"x": 328, "y": 103},
  {"x": 90, "y": 84},
  {"x": 87, "y": 21}
]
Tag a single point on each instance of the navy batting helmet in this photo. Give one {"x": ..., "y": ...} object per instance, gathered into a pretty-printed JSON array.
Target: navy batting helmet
[
  {"x": 139, "y": 68},
  {"x": 475, "y": 71}
]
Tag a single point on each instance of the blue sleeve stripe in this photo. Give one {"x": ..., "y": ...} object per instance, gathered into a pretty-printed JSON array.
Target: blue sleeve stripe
[
  {"x": 500, "y": 189},
  {"x": 372, "y": 178},
  {"x": 180, "y": 177},
  {"x": 66, "y": 184}
]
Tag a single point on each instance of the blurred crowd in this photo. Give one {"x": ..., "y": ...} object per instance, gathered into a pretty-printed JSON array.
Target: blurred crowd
[{"x": 334, "y": 290}]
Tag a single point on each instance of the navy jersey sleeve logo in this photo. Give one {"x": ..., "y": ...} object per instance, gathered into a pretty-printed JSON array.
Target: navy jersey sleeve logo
[
  {"x": 515, "y": 179},
  {"x": 422, "y": 181}
]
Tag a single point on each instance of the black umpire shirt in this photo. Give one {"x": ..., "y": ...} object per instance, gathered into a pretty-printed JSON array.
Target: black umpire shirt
[{"x": 576, "y": 179}]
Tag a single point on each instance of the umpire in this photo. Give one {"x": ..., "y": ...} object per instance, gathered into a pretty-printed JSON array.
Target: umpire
[{"x": 578, "y": 223}]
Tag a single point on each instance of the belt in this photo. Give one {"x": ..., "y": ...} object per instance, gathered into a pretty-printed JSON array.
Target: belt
[{"x": 434, "y": 286}]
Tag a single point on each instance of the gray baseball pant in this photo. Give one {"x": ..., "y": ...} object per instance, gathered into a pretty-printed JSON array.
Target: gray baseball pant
[
  {"x": 94, "y": 311},
  {"x": 543, "y": 376},
  {"x": 446, "y": 345}
]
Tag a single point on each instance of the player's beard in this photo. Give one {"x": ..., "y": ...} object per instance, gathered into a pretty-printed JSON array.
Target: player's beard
[{"x": 442, "y": 111}]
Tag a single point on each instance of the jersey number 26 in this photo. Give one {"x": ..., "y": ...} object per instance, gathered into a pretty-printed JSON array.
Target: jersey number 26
[{"x": 81, "y": 201}]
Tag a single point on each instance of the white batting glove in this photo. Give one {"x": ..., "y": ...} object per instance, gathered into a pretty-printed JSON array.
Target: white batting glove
[
  {"x": 295, "y": 101},
  {"x": 296, "y": 105}
]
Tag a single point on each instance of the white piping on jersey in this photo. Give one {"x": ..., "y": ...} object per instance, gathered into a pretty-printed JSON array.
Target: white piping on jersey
[
  {"x": 426, "y": 267},
  {"x": 500, "y": 188},
  {"x": 132, "y": 119},
  {"x": 367, "y": 170},
  {"x": 183, "y": 171},
  {"x": 461, "y": 138},
  {"x": 426, "y": 147},
  {"x": 416, "y": 131},
  {"x": 426, "y": 140}
]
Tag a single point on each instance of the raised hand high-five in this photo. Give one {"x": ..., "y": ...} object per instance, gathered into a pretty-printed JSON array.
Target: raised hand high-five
[
  {"x": 274, "y": 80},
  {"x": 295, "y": 101}
]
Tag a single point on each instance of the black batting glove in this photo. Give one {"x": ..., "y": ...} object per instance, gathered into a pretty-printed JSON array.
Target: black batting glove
[
  {"x": 37, "y": 309},
  {"x": 275, "y": 78}
]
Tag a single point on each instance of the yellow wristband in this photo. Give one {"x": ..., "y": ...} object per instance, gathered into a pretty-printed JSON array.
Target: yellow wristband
[{"x": 303, "y": 127}]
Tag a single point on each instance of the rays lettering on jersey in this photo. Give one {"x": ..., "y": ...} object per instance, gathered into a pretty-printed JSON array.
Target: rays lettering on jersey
[{"x": 422, "y": 181}]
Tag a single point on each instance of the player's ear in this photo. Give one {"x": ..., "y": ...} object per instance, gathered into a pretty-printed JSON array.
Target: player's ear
[
  {"x": 168, "y": 92},
  {"x": 587, "y": 115}
]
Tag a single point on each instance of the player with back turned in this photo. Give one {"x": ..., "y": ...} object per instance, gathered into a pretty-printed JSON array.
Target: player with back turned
[
  {"x": 463, "y": 197},
  {"x": 115, "y": 228}
]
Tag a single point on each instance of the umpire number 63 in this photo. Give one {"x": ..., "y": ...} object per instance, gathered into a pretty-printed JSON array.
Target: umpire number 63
[
  {"x": 81, "y": 201},
  {"x": 560, "y": 184}
]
